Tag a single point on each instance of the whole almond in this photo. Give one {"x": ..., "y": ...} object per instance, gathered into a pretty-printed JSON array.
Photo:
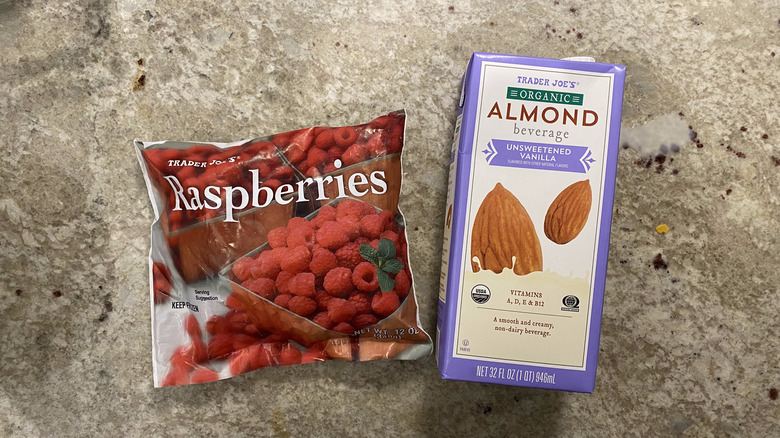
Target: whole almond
[
  {"x": 504, "y": 236},
  {"x": 568, "y": 213}
]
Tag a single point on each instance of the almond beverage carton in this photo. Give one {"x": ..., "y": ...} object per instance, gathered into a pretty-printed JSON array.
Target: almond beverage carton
[{"x": 529, "y": 209}]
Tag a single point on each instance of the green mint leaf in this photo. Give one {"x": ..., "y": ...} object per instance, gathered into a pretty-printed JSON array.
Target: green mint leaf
[
  {"x": 392, "y": 266},
  {"x": 386, "y": 283},
  {"x": 369, "y": 253},
  {"x": 386, "y": 249}
]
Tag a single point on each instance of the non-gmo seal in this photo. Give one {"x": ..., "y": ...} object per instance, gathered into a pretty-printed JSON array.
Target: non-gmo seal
[
  {"x": 480, "y": 294},
  {"x": 571, "y": 303}
]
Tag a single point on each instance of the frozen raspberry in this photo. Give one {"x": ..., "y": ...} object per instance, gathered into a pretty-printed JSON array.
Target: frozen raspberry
[
  {"x": 233, "y": 303},
  {"x": 302, "y": 284},
  {"x": 391, "y": 236},
  {"x": 265, "y": 266},
  {"x": 282, "y": 282},
  {"x": 192, "y": 327},
  {"x": 334, "y": 153},
  {"x": 402, "y": 284},
  {"x": 204, "y": 375},
  {"x": 349, "y": 255},
  {"x": 261, "y": 286},
  {"x": 350, "y": 226},
  {"x": 252, "y": 330},
  {"x": 364, "y": 277},
  {"x": 388, "y": 219},
  {"x": 323, "y": 320},
  {"x": 341, "y": 310},
  {"x": 312, "y": 172},
  {"x": 395, "y": 139},
  {"x": 303, "y": 306},
  {"x": 220, "y": 345},
  {"x": 382, "y": 122},
  {"x": 345, "y": 136},
  {"x": 385, "y": 303},
  {"x": 300, "y": 236},
  {"x": 375, "y": 146},
  {"x": 283, "y": 300},
  {"x": 371, "y": 226},
  {"x": 289, "y": 355},
  {"x": 241, "y": 341},
  {"x": 261, "y": 356},
  {"x": 316, "y": 157},
  {"x": 240, "y": 362},
  {"x": 277, "y": 237},
  {"x": 241, "y": 268},
  {"x": 296, "y": 260},
  {"x": 162, "y": 290},
  {"x": 362, "y": 240},
  {"x": 324, "y": 139},
  {"x": 361, "y": 301},
  {"x": 365, "y": 320},
  {"x": 279, "y": 254},
  {"x": 338, "y": 282},
  {"x": 345, "y": 328},
  {"x": 176, "y": 376},
  {"x": 349, "y": 207},
  {"x": 325, "y": 214},
  {"x": 298, "y": 222},
  {"x": 322, "y": 261},
  {"x": 313, "y": 354},
  {"x": 322, "y": 298},
  {"x": 331, "y": 236},
  {"x": 354, "y": 154}
]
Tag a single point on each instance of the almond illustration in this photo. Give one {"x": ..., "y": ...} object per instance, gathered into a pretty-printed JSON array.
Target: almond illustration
[
  {"x": 568, "y": 213},
  {"x": 504, "y": 236}
]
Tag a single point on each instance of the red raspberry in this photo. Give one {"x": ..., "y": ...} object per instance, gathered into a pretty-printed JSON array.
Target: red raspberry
[
  {"x": 302, "y": 284},
  {"x": 297, "y": 260},
  {"x": 299, "y": 222},
  {"x": 322, "y": 261},
  {"x": 334, "y": 153},
  {"x": 192, "y": 327},
  {"x": 385, "y": 303},
  {"x": 241, "y": 268},
  {"x": 345, "y": 136},
  {"x": 395, "y": 140},
  {"x": 349, "y": 207},
  {"x": 265, "y": 266},
  {"x": 341, "y": 310},
  {"x": 324, "y": 214},
  {"x": 177, "y": 376},
  {"x": 289, "y": 355},
  {"x": 233, "y": 303},
  {"x": 204, "y": 375},
  {"x": 283, "y": 300},
  {"x": 361, "y": 301},
  {"x": 375, "y": 146},
  {"x": 388, "y": 219},
  {"x": 331, "y": 236},
  {"x": 300, "y": 236},
  {"x": 349, "y": 256},
  {"x": 345, "y": 328},
  {"x": 323, "y": 320},
  {"x": 324, "y": 140},
  {"x": 364, "y": 277},
  {"x": 338, "y": 282},
  {"x": 312, "y": 172},
  {"x": 262, "y": 355},
  {"x": 354, "y": 154},
  {"x": 220, "y": 345},
  {"x": 371, "y": 226},
  {"x": 365, "y": 320},
  {"x": 240, "y": 362},
  {"x": 362, "y": 240},
  {"x": 277, "y": 237},
  {"x": 279, "y": 254},
  {"x": 252, "y": 330},
  {"x": 303, "y": 306},
  {"x": 261, "y": 286},
  {"x": 316, "y": 157},
  {"x": 381, "y": 122},
  {"x": 241, "y": 341},
  {"x": 282, "y": 282},
  {"x": 323, "y": 298},
  {"x": 350, "y": 226},
  {"x": 391, "y": 236},
  {"x": 402, "y": 284}
]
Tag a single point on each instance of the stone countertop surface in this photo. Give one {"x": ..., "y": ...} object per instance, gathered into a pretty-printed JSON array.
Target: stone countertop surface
[{"x": 691, "y": 339}]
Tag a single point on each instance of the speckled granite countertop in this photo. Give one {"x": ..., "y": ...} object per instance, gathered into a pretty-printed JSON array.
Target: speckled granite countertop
[{"x": 690, "y": 341}]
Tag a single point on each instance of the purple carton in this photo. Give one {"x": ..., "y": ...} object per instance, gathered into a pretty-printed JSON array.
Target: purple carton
[{"x": 529, "y": 209}]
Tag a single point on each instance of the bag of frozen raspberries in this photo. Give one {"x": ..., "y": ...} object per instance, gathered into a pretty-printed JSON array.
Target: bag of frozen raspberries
[{"x": 280, "y": 250}]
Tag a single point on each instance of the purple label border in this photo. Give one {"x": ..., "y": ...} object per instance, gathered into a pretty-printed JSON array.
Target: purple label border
[{"x": 465, "y": 369}]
